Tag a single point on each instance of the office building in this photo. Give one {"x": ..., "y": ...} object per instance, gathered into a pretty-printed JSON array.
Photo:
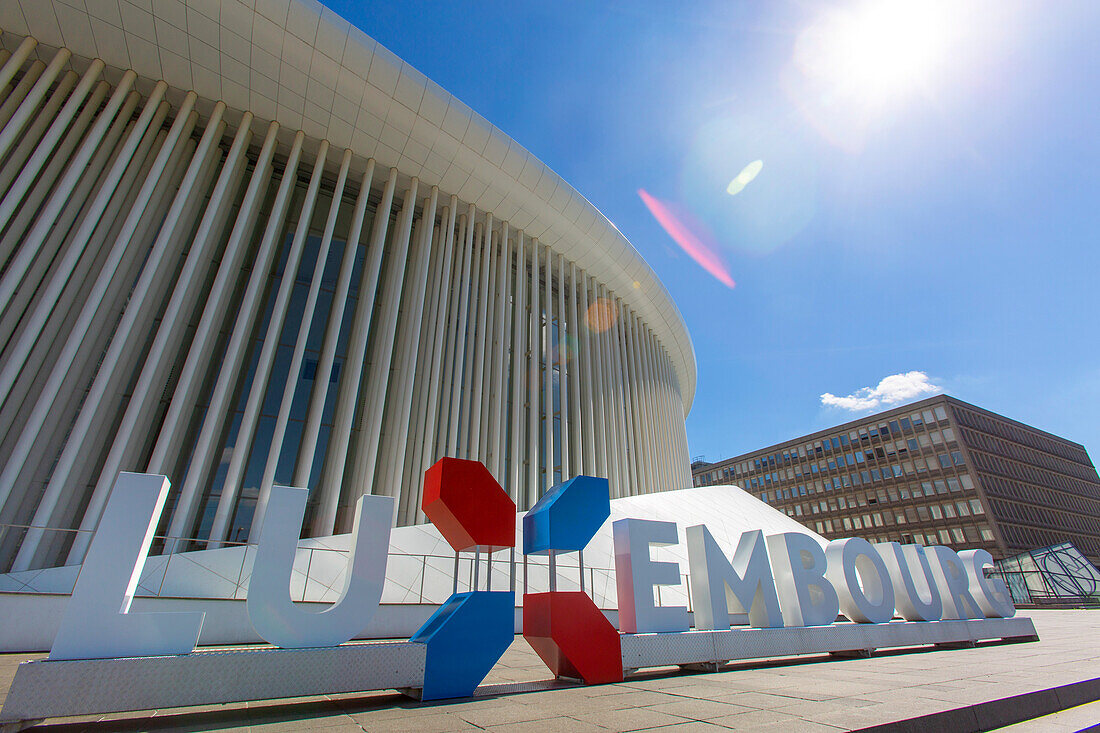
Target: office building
[
  {"x": 939, "y": 471},
  {"x": 245, "y": 245}
]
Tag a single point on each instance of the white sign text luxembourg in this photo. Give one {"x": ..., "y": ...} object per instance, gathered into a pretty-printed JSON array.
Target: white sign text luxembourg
[
  {"x": 789, "y": 579},
  {"x": 779, "y": 580}
]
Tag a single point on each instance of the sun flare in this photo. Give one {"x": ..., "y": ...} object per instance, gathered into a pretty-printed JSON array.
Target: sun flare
[{"x": 877, "y": 49}]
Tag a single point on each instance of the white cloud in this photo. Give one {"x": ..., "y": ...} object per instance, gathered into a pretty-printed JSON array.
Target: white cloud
[{"x": 890, "y": 391}]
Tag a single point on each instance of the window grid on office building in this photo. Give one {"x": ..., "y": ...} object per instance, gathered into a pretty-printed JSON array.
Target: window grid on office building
[{"x": 939, "y": 471}]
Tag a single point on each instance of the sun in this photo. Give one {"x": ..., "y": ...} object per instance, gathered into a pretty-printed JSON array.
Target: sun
[{"x": 876, "y": 50}]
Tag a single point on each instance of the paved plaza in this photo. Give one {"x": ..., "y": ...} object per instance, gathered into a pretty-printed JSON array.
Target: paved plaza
[{"x": 981, "y": 688}]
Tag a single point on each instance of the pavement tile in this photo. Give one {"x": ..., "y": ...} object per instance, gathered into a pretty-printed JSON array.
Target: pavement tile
[
  {"x": 442, "y": 723},
  {"x": 785, "y": 694},
  {"x": 514, "y": 713},
  {"x": 551, "y": 725},
  {"x": 758, "y": 700},
  {"x": 699, "y": 709},
  {"x": 755, "y": 718},
  {"x": 693, "y": 726},
  {"x": 630, "y": 719}
]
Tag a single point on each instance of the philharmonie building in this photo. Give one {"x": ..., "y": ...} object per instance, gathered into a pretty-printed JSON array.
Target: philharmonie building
[{"x": 247, "y": 246}]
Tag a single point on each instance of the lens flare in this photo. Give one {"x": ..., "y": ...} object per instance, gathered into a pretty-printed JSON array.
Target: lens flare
[
  {"x": 689, "y": 234},
  {"x": 744, "y": 178},
  {"x": 567, "y": 348},
  {"x": 601, "y": 315}
]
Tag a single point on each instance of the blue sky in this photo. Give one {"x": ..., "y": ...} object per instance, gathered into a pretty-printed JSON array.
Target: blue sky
[{"x": 945, "y": 221}]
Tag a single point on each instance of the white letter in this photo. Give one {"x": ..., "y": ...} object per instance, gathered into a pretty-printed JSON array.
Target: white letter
[
  {"x": 636, "y": 573},
  {"x": 953, "y": 585},
  {"x": 873, "y": 603},
  {"x": 274, "y": 616},
  {"x": 900, "y": 562},
  {"x": 992, "y": 596},
  {"x": 746, "y": 584},
  {"x": 97, "y": 622},
  {"x": 805, "y": 596}
]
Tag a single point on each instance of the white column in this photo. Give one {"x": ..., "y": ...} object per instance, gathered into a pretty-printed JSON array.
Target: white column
[
  {"x": 62, "y": 193},
  {"x": 425, "y": 352},
  {"x": 594, "y": 377},
  {"x": 113, "y": 366},
  {"x": 673, "y": 451},
  {"x": 534, "y": 382},
  {"x": 462, "y": 337},
  {"x": 52, "y": 339},
  {"x": 548, "y": 371},
  {"x": 611, "y": 417},
  {"x": 473, "y": 326},
  {"x": 298, "y": 356},
  {"x": 100, "y": 217},
  {"x": 681, "y": 428},
  {"x": 38, "y": 140},
  {"x": 664, "y": 421},
  {"x": 367, "y": 452},
  {"x": 677, "y": 424},
  {"x": 502, "y": 330},
  {"x": 350, "y": 388},
  {"x": 564, "y": 401},
  {"x": 200, "y": 354},
  {"x": 402, "y": 397},
  {"x": 626, "y": 410},
  {"x": 139, "y": 411},
  {"x": 26, "y": 342},
  {"x": 48, "y": 180},
  {"x": 432, "y": 419},
  {"x": 484, "y": 328},
  {"x": 653, "y": 395},
  {"x": 86, "y": 470},
  {"x": 641, "y": 414},
  {"x": 310, "y": 433},
  {"x": 202, "y": 456},
  {"x": 16, "y": 96},
  {"x": 519, "y": 374},
  {"x": 43, "y": 141},
  {"x": 29, "y": 106},
  {"x": 52, "y": 336},
  {"x": 4, "y": 56},
  {"x": 37, "y": 371},
  {"x": 489, "y": 394},
  {"x": 242, "y": 445},
  {"x": 448, "y": 368},
  {"x": 580, "y": 453},
  {"x": 19, "y": 265},
  {"x": 11, "y": 66}
]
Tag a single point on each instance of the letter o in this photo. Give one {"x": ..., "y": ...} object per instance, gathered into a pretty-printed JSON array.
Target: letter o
[{"x": 861, "y": 580}]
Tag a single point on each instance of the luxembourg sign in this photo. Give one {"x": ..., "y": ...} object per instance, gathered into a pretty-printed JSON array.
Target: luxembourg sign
[{"x": 107, "y": 658}]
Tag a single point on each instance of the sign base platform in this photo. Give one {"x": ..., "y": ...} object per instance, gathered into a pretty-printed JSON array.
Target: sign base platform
[
  {"x": 58, "y": 688},
  {"x": 704, "y": 650}
]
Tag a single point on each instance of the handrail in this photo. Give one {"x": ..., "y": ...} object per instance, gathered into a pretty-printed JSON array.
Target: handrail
[{"x": 318, "y": 576}]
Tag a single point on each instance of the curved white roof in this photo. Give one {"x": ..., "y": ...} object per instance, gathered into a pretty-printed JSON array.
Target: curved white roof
[{"x": 297, "y": 62}]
